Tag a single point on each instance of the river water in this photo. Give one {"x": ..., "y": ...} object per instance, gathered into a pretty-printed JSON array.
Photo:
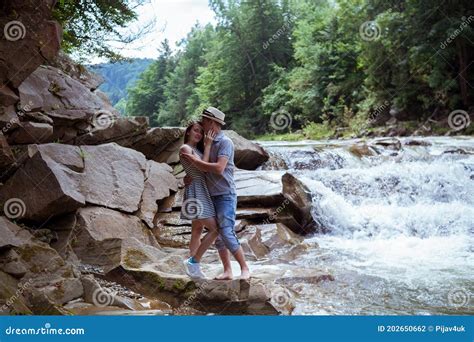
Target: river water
[{"x": 401, "y": 226}]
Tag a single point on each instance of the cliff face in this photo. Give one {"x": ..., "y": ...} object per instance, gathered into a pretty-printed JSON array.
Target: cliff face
[
  {"x": 84, "y": 191},
  {"x": 30, "y": 38}
]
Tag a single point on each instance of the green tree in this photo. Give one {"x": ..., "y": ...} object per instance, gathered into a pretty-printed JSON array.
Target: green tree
[
  {"x": 413, "y": 65},
  {"x": 89, "y": 26},
  {"x": 180, "y": 91},
  {"x": 148, "y": 95},
  {"x": 252, "y": 37}
]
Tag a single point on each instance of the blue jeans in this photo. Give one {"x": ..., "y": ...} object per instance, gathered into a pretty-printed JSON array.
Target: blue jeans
[{"x": 226, "y": 207}]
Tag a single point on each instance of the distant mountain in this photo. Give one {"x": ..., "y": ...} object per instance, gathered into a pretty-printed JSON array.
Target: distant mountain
[{"x": 120, "y": 76}]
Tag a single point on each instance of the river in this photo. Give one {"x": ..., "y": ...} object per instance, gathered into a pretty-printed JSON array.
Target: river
[{"x": 401, "y": 226}]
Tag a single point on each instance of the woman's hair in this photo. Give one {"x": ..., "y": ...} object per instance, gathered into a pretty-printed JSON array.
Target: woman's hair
[{"x": 200, "y": 144}]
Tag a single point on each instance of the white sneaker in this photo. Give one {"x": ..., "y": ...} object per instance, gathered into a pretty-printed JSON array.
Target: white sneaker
[{"x": 193, "y": 270}]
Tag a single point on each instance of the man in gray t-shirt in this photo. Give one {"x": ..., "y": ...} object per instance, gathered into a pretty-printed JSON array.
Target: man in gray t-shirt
[{"x": 220, "y": 182}]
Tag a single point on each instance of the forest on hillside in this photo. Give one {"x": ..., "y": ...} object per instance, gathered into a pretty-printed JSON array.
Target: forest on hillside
[
  {"x": 278, "y": 66},
  {"x": 119, "y": 77}
]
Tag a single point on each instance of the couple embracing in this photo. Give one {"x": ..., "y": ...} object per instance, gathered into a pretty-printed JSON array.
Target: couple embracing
[{"x": 207, "y": 156}]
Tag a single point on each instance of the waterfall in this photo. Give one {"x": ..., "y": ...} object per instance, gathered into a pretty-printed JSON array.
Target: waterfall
[{"x": 403, "y": 214}]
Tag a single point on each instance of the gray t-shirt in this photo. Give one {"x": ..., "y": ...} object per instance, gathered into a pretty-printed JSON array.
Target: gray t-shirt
[{"x": 221, "y": 184}]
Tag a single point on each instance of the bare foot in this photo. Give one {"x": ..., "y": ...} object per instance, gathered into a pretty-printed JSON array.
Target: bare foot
[
  {"x": 224, "y": 276},
  {"x": 245, "y": 274}
]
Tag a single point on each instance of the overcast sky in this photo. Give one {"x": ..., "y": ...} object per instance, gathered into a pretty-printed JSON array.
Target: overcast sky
[{"x": 174, "y": 19}]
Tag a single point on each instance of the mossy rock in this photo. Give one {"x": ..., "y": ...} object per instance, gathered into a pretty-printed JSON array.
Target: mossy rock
[{"x": 135, "y": 258}]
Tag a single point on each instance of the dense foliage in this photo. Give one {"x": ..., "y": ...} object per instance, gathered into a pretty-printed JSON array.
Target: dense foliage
[{"x": 321, "y": 64}]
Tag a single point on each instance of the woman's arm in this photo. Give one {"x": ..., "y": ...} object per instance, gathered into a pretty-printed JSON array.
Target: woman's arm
[{"x": 185, "y": 149}]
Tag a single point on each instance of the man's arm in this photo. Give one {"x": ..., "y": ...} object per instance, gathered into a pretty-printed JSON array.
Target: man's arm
[{"x": 217, "y": 168}]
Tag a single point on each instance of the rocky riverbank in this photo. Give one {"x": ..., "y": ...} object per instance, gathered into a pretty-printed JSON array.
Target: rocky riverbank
[{"x": 90, "y": 202}]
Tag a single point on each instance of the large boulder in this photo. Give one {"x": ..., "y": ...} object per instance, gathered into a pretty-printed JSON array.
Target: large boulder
[
  {"x": 258, "y": 188},
  {"x": 160, "y": 144},
  {"x": 236, "y": 296},
  {"x": 298, "y": 204},
  {"x": 58, "y": 179},
  {"x": 98, "y": 235},
  {"x": 60, "y": 96},
  {"x": 122, "y": 131},
  {"x": 159, "y": 184},
  {"x": 72, "y": 108},
  {"x": 255, "y": 189},
  {"x": 248, "y": 155},
  {"x": 113, "y": 176},
  {"x": 160, "y": 274},
  {"x": 30, "y": 38},
  {"x": 31, "y": 133},
  {"x": 39, "y": 268},
  {"x": 47, "y": 184}
]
